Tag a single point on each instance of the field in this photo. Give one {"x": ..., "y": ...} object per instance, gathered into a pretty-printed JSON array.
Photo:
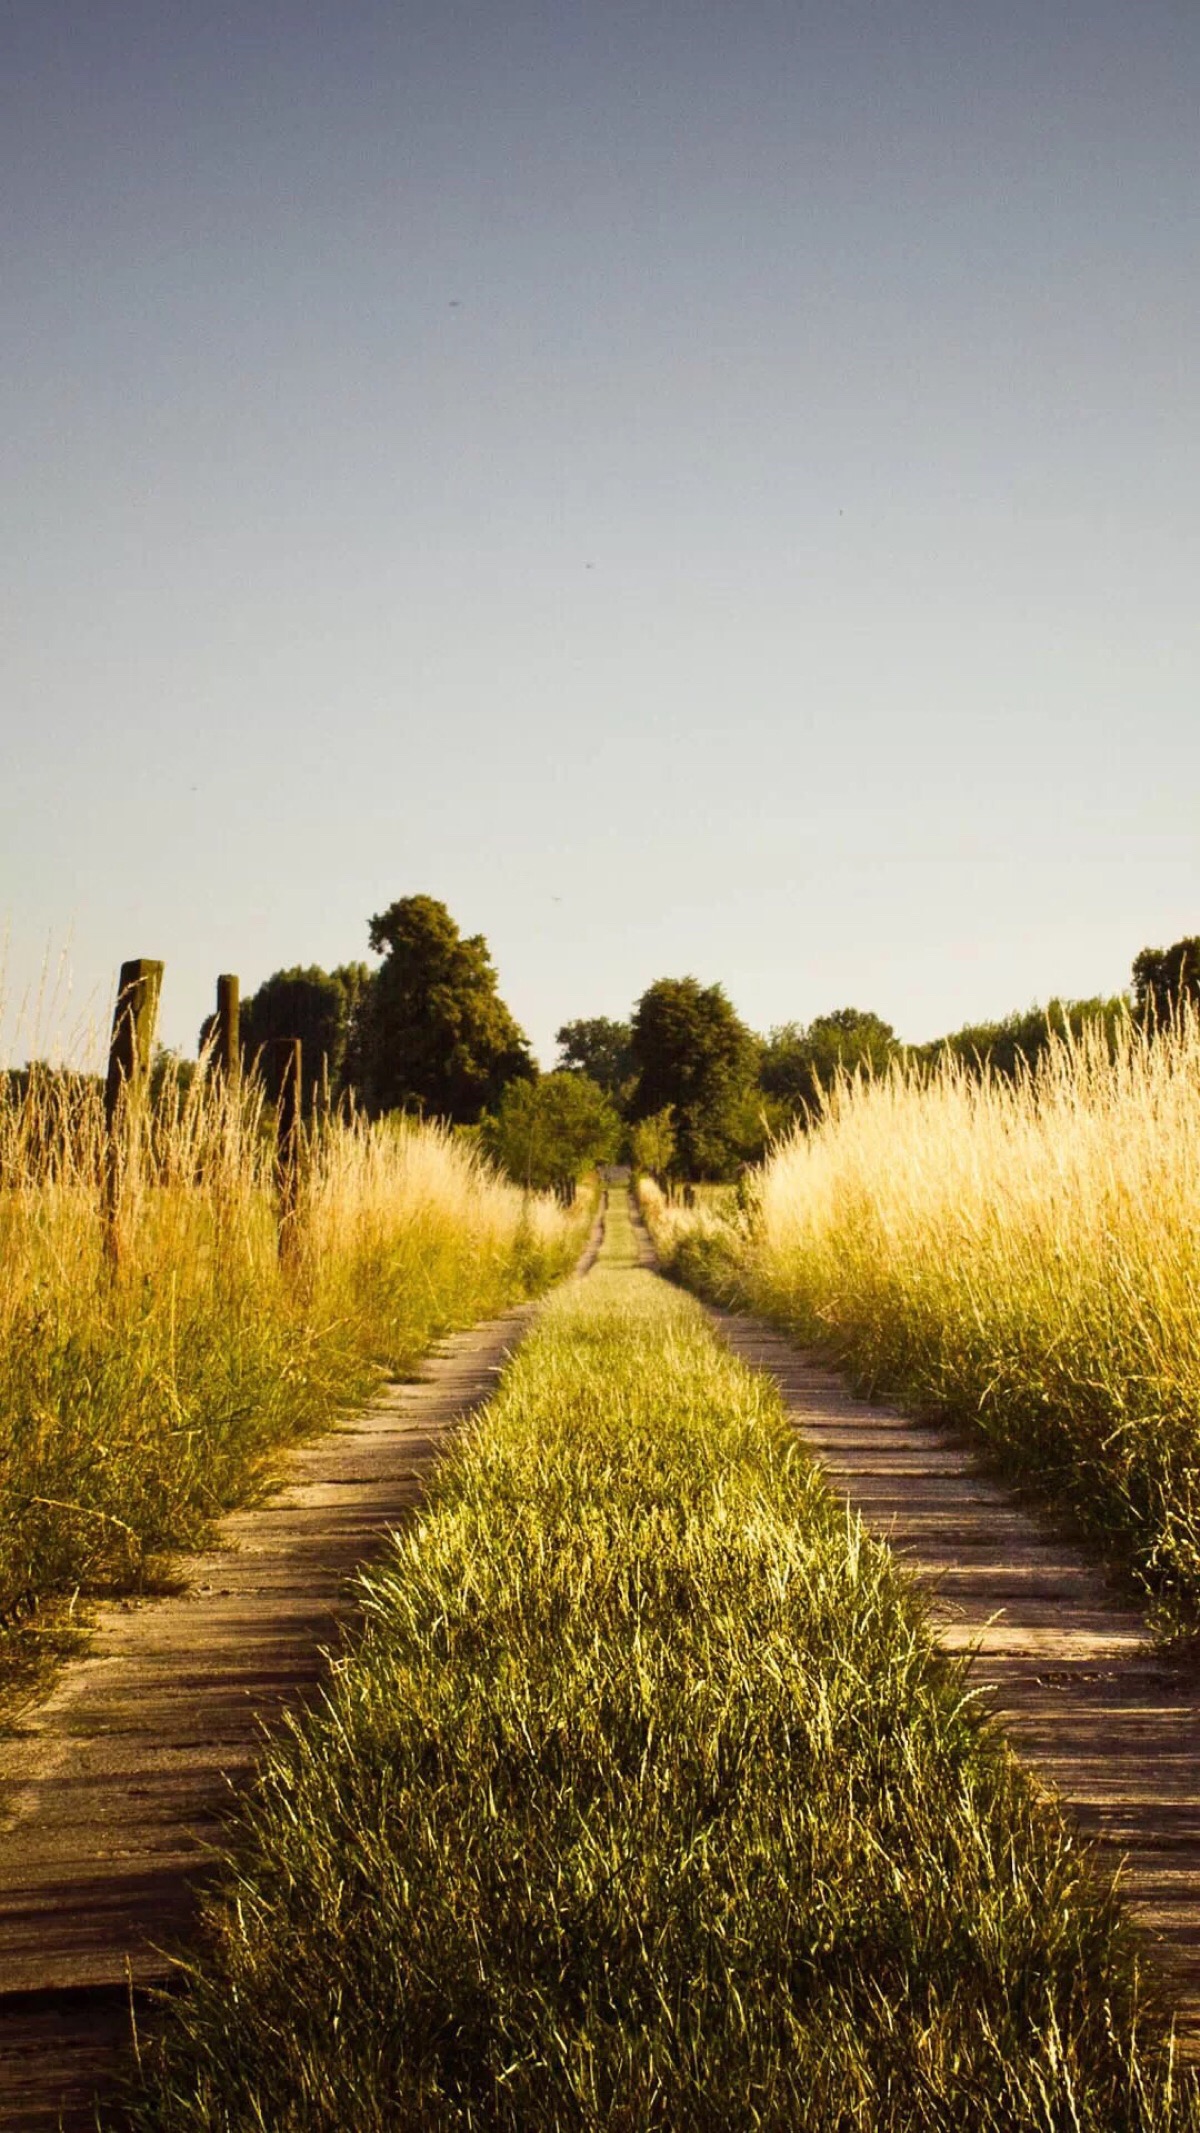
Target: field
[
  {"x": 1021, "y": 1255},
  {"x": 138, "y": 1399},
  {"x": 646, "y": 1802}
]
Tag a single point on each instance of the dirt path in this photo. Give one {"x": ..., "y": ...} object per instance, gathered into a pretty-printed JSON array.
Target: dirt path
[
  {"x": 118, "y": 1783},
  {"x": 113, "y": 1790},
  {"x": 1064, "y": 1659}
]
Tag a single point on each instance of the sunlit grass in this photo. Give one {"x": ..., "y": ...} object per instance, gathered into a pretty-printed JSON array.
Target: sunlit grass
[
  {"x": 646, "y": 1803},
  {"x": 1025, "y": 1255},
  {"x": 140, "y": 1397}
]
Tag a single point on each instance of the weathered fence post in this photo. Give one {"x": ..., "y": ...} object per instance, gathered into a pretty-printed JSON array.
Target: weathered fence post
[
  {"x": 223, "y": 1137},
  {"x": 134, "y": 1017},
  {"x": 289, "y": 1061},
  {"x": 226, "y": 1031}
]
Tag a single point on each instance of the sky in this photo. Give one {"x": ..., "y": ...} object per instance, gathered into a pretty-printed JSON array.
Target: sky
[{"x": 699, "y": 488}]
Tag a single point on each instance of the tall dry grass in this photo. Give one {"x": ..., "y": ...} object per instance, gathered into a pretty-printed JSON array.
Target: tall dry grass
[
  {"x": 1023, "y": 1254},
  {"x": 139, "y": 1398}
]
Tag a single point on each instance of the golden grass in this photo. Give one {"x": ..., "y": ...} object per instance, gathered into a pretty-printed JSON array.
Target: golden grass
[
  {"x": 138, "y": 1399},
  {"x": 1023, "y": 1253}
]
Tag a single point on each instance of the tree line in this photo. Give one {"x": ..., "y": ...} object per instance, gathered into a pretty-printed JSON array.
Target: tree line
[{"x": 683, "y": 1088}]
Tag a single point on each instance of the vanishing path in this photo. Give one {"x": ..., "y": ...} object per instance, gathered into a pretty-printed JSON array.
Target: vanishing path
[
  {"x": 116, "y": 1786},
  {"x": 1065, "y": 1660},
  {"x": 112, "y": 1791}
]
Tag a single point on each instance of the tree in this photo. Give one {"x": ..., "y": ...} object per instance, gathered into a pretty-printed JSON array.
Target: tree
[
  {"x": 600, "y": 1049},
  {"x": 437, "y": 1036},
  {"x": 799, "y": 1062},
  {"x": 357, "y": 981},
  {"x": 652, "y": 1144},
  {"x": 51, "y": 1109},
  {"x": 320, "y": 1007},
  {"x": 548, "y": 1133},
  {"x": 171, "y": 1076},
  {"x": 1164, "y": 977},
  {"x": 691, "y": 1051},
  {"x": 1014, "y": 1045}
]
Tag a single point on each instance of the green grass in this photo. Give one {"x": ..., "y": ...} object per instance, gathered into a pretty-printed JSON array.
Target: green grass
[{"x": 646, "y": 1802}]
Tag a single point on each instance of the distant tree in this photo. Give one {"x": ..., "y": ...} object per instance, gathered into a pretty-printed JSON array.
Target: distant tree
[
  {"x": 550, "y": 1132},
  {"x": 599, "y": 1048},
  {"x": 652, "y": 1144},
  {"x": 691, "y": 1051},
  {"x": 799, "y": 1061},
  {"x": 437, "y": 1037},
  {"x": 348, "y": 1069},
  {"x": 51, "y": 1114},
  {"x": 171, "y": 1076},
  {"x": 320, "y": 1007},
  {"x": 1163, "y": 977},
  {"x": 760, "y": 1119},
  {"x": 1015, "y": 1044},
  {"x": 43, "y": 1078}
]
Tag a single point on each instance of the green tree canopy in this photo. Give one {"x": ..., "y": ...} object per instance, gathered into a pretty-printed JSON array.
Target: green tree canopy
[
  {"x": 1162, "y": 977},
  {"x": 52, "y": 1102},
  {"x": 171, "y": 1076},
  {"x": 799, "y": 1061},
  {"x": 320, "y": 1007},
  {"x": 652, "y": 1144},
  {"x": 437, "y": 1035},
  {"x": 1016, "y": 1043},
  {"x": 600, "y": 1049},
  {"x": 549, "y": 1132},
  {"x": 691, "y": 1051}
]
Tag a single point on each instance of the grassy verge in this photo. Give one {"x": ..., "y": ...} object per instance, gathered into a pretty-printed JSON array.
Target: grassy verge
[
  {"x": 138, "y": 1402},
  {"x": 1022, "y": 1256},
  {"x": 646, "y": 1803}
]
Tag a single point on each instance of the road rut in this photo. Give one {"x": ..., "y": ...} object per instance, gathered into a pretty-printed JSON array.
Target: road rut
[
  {"x": 115, "y": 1788},
  {"x": 1062, "y": 1658},
  {"x": 1061, "y": 1655}
]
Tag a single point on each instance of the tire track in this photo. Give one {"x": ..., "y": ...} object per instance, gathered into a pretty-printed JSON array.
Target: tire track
[{"x": 114, "y": 1790}]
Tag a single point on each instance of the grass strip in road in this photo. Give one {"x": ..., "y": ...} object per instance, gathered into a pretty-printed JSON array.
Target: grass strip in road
[{"x": 646, "y": 1802}]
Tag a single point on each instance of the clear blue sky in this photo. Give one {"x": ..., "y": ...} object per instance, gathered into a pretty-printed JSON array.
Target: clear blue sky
[{"x": 700, "y": 488}]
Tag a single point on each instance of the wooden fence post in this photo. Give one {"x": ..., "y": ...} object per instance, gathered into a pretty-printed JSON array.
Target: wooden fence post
[
  {"x": 225, "y": 1080},
  {"x": 289, "y": 1061},
  {"x": 134, "y": 1017},
  {"x": 226, "y": 1031}
]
